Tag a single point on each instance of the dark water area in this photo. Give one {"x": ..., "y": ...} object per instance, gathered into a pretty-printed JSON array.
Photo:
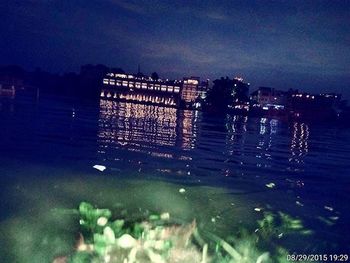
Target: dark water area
[{"x": 233, "y": 168}]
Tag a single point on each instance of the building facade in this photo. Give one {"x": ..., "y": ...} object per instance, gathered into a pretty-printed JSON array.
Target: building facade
[
  {"x": 269, "y": 98},
  {"x": 140, "y": 88},
  {"x": 144, "y": 89}
]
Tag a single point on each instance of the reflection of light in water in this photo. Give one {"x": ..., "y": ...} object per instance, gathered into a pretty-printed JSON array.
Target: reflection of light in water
[
  {"x": 263, "y": 126},
  {"x": 273, "y": 126},
  {"x": 265, "y": 141},
  {"x": 134, "y": 124},
  {"x": 136, "y": 97},
  {"x": 189, "y": 128},
  {"x": 235, "y": 142},
  {"x": 144, "y": 128},
  {"x": 299, "y": 145},
  {"x": 236, "y": 127},
  {"x": 262, "y": 129}
]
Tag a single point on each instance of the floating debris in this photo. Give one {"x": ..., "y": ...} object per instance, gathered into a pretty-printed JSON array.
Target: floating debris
[
  {"x": 270, "y": 185},
  {"x": 182, "y": 190},
  {"x": 101, "y": 168},
  {"x": 325, "y": 221},
  {"x": 257, "y": 209},
  {"x": 165, "y": 216},
  {"x": 329, "y": 208},
  {"x": 299, "y": 203}
]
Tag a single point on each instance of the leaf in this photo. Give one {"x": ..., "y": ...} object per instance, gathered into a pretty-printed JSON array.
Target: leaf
[{"x": 80, "y": 257}]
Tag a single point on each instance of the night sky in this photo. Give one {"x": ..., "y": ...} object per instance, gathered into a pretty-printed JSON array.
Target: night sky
[{"x": 283, "y": 44}]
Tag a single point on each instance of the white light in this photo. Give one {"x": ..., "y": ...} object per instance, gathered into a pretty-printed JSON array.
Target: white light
[
  {"x": 120, "y": 76},
  {"x": 101, "y": 168},
  {"x": 182, "y": 190}
]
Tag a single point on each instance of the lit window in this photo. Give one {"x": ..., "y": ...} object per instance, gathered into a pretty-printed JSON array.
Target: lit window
[
  {"x": 112, "y": 81},
  {"x": 151, "y": 87},
  {"x": 119, "y": 83},
  {"x": 170, "y": 88},
  {"x": 191, "y": 81},
  {"x": 163, "y": 88},
  {"x": 120, "y": 76},
  {"x": 144, "y": 85},
  {"x": 138, "y": 85},
  {"x": 131, "y": 84},
  {"x": 176, "y": 89},
  {"x": 105, "y": 81},
  {"x": 125, "y": 83}
]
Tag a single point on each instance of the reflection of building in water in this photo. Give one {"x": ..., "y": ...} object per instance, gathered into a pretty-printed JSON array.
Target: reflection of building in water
[
  {"x": 135, "y": 97},
  {"x": 145, "y": 128},
  {"x": 299, "y": 146},
  {"x": 188, "y": 127}
]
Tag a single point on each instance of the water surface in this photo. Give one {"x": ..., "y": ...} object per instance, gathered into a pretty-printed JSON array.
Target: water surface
[{"x": 233, "y": 168}]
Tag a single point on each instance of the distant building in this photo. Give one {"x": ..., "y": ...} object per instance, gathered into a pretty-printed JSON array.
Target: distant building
[
  {"x": 315, "y": 106},
  {"x": 153, "y": 90},
  {"x": 269, "y": 98},
  {"x": 141, "y": 88},
  {"x": 9, "y": 83},
  {"x": 203, "y": 89},
  {"x": 189, "y": 92}
]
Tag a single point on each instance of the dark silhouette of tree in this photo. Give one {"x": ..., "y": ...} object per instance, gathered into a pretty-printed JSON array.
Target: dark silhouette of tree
[
  {"x": 154, "y": 76},
  {"x": 226, "y": 92},
  {"x": 220, "y": 95},
  {"x": 90, "y": 79},
  {"x": 117, "y": 70},
  {"x": 240, "y": 91}
]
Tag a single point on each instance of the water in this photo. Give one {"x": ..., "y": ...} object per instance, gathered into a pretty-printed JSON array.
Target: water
[{"x": 233, "y": 169}]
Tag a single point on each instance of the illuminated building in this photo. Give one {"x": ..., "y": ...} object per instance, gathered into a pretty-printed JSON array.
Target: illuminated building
[
  {"x": 189, "y": 92},
  {"x": 139, "y": 88},
  {"x": 9, "y": 84},
  {"x": 269, "y": 98},
  {"x": 203, "y": 89},
  {"x": 315, "y": 106},
  {"x": 7, "y": 92}
]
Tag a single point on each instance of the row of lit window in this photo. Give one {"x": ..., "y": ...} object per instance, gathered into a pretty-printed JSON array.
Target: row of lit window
[
  {"x": 142, "y": 85},
  {"x": 125, "y": 76},
  {"x": 191, "y": 82},
  {"x": 141, "y": 98}
]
